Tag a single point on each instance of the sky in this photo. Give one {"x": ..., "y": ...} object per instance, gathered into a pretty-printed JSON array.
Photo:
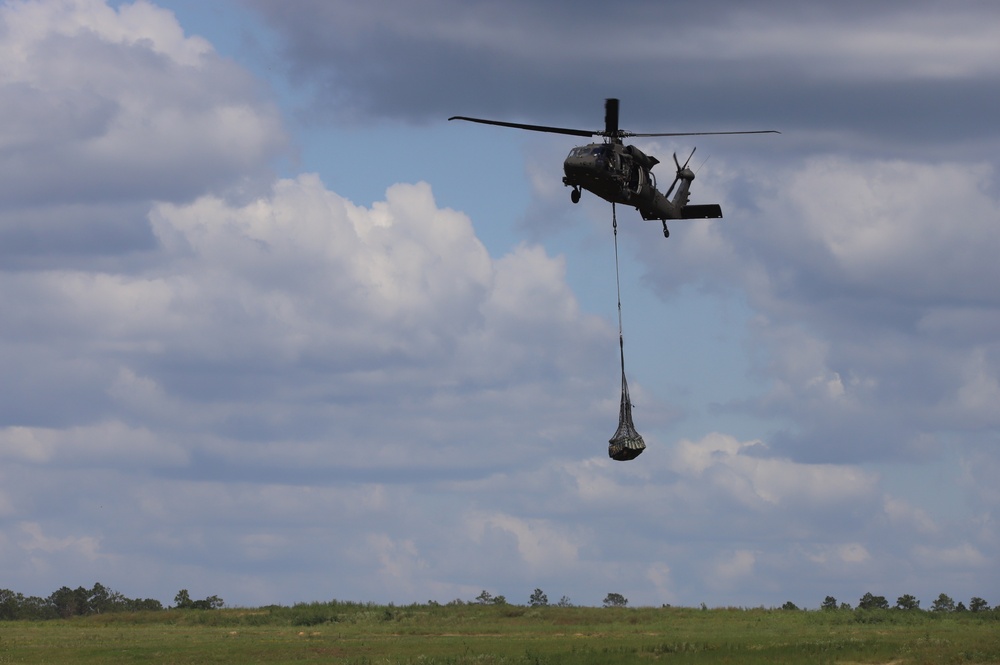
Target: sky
[{"x": 275, "y": 330}]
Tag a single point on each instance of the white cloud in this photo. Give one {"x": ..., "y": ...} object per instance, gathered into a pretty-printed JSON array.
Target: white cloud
[
  {"x": 734, "y": 568},
  {"x": 103, "y": 110},
  {"x": 660, "y": 576},
  {"x": 298, "y": 338},
  {"x": 905, "y": 228},
  {"x": 961, "y": 556},
  {"x": 979, "y": 394},
  {"x": 875, "y": 318},
  {"x": 307, "y": 270},
  {"x": 899, "y": 512},
  {"x": 399, "y": 561},
  {"x": 106, "y": 444},
  {"x": 734, "y": 468},
  {"x": 140, "y": 22},
  {"x": 541, "y": 545},
  {"x": 304, "y": 278},
  {"x": 842, "y": 553},
  {"x": 133, "y": 108},
  {"x": 34, "y": 540}
]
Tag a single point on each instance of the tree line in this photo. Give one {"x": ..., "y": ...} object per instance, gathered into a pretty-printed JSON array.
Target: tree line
[
  {"x": 869, "y": 601},
  {"x": 64, "y": 603}
]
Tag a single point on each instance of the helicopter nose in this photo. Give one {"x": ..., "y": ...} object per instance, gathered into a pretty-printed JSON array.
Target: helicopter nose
[{"x": 575, "y": 167}]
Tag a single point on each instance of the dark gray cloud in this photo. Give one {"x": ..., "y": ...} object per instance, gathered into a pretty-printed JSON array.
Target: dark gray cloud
[{"x": 891, "y": 75}]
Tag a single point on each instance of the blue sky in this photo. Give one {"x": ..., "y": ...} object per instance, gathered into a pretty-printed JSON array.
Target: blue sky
[{"x": 277, "y": 331}]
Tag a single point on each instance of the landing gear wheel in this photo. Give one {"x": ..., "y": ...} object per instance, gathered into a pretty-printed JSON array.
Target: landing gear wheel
[
  {"x": 666, "y": 231},
  {"x": 574, "y": 196}
]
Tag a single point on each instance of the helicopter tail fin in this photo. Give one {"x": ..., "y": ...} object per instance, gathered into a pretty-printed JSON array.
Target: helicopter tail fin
[{"x": 705, "y": 211}]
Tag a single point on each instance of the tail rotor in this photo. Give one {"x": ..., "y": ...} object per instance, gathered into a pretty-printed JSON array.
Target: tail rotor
[{"x": 681, "y": 171}]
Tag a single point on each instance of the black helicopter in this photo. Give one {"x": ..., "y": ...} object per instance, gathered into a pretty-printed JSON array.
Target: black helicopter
[{"x": 621, "y": 173}]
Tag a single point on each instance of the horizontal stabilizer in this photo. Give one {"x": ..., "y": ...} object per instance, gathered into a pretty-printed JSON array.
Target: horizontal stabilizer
[{"x": 707, "y": 211}]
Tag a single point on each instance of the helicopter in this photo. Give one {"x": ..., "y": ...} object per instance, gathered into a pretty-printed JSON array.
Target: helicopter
[{"x": 620, "y": 173}]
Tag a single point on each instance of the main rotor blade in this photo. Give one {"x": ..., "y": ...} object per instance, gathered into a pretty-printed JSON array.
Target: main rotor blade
[
  {"x": 757, "y": 131},
  {"x": 533, "y": 128}
]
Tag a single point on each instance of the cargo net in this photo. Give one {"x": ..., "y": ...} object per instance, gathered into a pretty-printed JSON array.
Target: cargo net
[{"x": 626, "y": 444}]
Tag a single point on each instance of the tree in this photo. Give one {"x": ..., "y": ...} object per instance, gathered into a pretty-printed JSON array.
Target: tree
[
  {"x": 977, "y": 604},
  {"x": 213, "y": 602},
  {"x": 565, "y": 602},
  {"x": 64, "y": 601},
  {"x": 907, "y": 602},
  {"x": 538, "y": 599},
  {"x": 615, "y": 600},
  {"x": 35, "y": 607},
  {"x": 829, "y": 604},
  {"x": 100, "y": 598},
  {"x": 142, "y": 604},
  {"x": 182, "y": 600},
  {"x": 10, "y": 604},
  {"x": 484, "y": 598},
  {"x": 499, "y": 600},
  {"x": 944, "y": 603},
  {"x": 789, "y": 605},
  {"x": 872, "y": 602}
]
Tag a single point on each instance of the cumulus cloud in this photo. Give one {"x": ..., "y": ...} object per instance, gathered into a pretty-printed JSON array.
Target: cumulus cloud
[
  {"x": 730, "y": 569},
  {"x": 860, "y": 273},
  {"x": 280, "y": 346},
  {"x": 753, "y": 478},
  {"x": 274, "y": 315},
  {"x": 105, "y": 109},
  {"x": 540, "y": 545}
]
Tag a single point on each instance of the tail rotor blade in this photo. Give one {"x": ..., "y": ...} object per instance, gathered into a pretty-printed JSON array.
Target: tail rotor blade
[
  {"x": 676, "y": 178},
  {"x": 688, "y": 160},
  {"x": 671, "y": 189},
  {"x": 679, "y": 170}
]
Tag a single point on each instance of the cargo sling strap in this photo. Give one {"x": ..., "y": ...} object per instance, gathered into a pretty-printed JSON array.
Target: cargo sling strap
[{"x": 626, "y": 444}]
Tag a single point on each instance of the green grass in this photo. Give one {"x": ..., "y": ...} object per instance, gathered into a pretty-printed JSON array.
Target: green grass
[{"x": 355, "y": 633}]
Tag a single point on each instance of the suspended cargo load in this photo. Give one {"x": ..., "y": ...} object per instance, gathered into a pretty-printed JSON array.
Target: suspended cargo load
[{"x": 626, "y": 444}]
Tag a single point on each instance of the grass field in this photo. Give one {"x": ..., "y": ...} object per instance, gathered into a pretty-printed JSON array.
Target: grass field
[{"x": 477, "y": 634}]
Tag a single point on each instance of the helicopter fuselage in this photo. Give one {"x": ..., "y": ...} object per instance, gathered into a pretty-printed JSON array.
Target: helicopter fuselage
[{"x": 623, "y": 174}]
